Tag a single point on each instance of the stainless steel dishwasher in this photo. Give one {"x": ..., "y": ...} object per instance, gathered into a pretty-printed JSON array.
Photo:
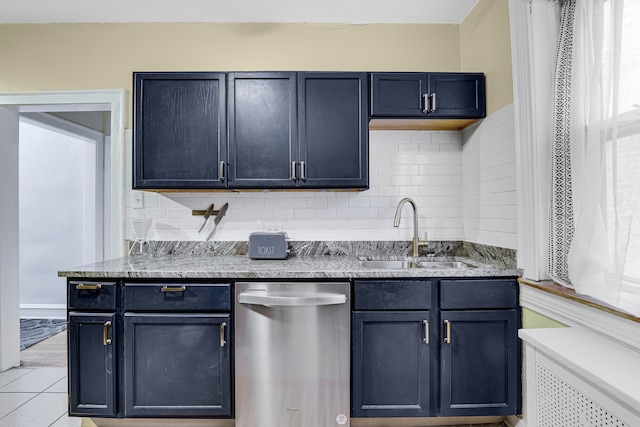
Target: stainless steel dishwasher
[{"x": 292, "y": 363}]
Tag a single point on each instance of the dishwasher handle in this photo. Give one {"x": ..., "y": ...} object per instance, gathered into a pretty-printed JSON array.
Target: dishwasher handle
[{"x": 292, "y": 300}]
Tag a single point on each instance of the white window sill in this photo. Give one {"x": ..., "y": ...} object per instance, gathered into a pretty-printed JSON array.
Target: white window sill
[{"x": 572, "y": 309}]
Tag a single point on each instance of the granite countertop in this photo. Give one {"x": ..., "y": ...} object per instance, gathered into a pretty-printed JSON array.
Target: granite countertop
[
  {"x": 242, "y": 267},
  {"x": 307, "y": 260}
]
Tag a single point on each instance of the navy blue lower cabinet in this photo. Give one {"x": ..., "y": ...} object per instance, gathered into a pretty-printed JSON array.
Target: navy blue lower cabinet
[
  {"x": 391, "y": 372},
  {"x": 177, "y": 365},
  {"x": 480, "y": 372},
  {"x": 92, "y": 373}
]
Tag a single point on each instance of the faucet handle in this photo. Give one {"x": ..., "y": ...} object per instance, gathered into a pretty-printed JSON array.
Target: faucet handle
[{"x": 421, "y": 244}]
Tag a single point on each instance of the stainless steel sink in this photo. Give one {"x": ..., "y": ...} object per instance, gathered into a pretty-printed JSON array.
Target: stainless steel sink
[
  {"x": 409, "y": 263},
  {"x": 445, "y": 264},
  {"x": 391, "y": 264}
]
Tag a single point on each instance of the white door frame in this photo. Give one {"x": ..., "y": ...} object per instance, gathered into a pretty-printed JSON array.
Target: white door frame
[{"x": 99, "y": 100}]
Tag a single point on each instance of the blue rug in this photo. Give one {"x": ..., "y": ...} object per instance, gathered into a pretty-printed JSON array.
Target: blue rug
[{"x": 32, "y": 331}]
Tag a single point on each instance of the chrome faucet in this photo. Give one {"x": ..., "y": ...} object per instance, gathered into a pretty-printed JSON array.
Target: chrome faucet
[{"x": 396, "y": 223}]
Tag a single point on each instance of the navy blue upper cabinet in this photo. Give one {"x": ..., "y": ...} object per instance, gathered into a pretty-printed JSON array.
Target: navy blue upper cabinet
[
  {"x": 179, "y": 131},
  {"x": 398, "y": 94},
  {"x": 253, "y": 130},
  {"x": 428, "y": 95},
  {"x": 298, "y": 130},
  {"x": 263, "y": 139},
  {"x": 333, "y": 130},
  {"x": 457, "y": 95}
]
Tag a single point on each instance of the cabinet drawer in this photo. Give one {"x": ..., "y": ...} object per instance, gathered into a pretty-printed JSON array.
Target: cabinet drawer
[
  {"x": 91, "y": 295},
  {"x": 177, "y": 297},
  {"x": 478, "y": 294},
  {"x": 392, "y": 295}
]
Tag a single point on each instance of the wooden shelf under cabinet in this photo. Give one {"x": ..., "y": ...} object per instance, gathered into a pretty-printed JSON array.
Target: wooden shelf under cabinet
[{"x": 420, "y": 124}]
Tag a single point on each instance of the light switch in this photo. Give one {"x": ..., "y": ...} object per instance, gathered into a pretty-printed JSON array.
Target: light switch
[{"x": 138, "y": 200}]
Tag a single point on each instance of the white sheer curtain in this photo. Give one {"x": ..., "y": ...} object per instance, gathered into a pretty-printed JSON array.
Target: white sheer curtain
[{"x": 594, "y": 238}]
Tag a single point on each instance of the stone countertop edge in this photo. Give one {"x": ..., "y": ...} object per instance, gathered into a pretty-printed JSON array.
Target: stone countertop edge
[{"x": 243, "y": 267}]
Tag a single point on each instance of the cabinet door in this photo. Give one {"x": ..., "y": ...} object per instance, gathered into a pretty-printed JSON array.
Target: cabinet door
[
  {"x": 92, "y": 366},
  {"x": 391, "y": 364},
  {"x": 177, "y": 365},
  {"x": 457, "y": 95},
  {"x": 179, "y": 130},
  {"x": 262, "y": 130},
  {"x": 398, "y": 94},
  {"x": 333, "y": 131},
  {"x": 479, "y": 357}
]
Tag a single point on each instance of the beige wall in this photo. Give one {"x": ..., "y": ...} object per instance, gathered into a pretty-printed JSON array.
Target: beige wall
[
  {"x": 103, "y": 56},
  {"x": 485, "y": 45},
  {"x": 532, "y": 319}
]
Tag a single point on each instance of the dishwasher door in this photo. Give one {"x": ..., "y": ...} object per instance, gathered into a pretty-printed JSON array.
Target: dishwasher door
[{"x": 292, "y": 354}]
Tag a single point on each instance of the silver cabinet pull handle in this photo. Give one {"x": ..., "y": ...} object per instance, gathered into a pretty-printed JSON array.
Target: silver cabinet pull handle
[
  {"x": 221, "y": 171},
  {"x": 426, "y": 103},
  {"x": 447, "y": 334},
  {"x": 433, "y": 102},
  {"x": 425, "y": 323},
  {"x": 303, "y": 171},
  {"x": 174, "y": 289},
  {"x": 83, "y": 287},
  {"x": 293, "y": 171},
  {"x": 223, "y": 326},
  {"x": 105, "y": 333}
]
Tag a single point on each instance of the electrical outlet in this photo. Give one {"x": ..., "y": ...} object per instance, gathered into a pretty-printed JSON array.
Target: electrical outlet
[{"x": 138, "y": 200}]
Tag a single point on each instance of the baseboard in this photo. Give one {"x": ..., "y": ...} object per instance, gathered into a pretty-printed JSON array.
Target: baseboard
[
  {"x": 43, "y": 311},
  {"x": 513, "y": 421}
]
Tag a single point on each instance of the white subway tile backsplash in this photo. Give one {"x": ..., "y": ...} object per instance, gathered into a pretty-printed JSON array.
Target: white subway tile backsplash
[
  {"x": 317, "y": 202},
  {"x": 379, "y": 202},
  {"x": 283, "y": 213},
  {"x": 304, "y": 213},
  {"x": 442, "y": 138},
  {"x": 177, "y": 212},
  {"x": 409, "y": 148},
  {"x": 489, "y": 181},
  {"x": 359, "y": 202},
  {"x": 401, "y": 180},
  {"x": 262, "y": 214},
  {"x": 388, "y": 191},
  {"x": 399, "y": 137},
  {"x": 462, "y": 182},
  {"x": 429, "y": 148},
  {"x": 360, "y": 223},
  {"x": 367, "y": 212},
  {"x": 295, "y": 203},
  {"x": 330, "y": 213},
  {"x": 420, "y": 138}
]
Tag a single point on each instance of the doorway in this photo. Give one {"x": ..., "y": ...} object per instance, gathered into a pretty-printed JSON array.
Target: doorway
[
  {"x": 62, "y": 200},
  {"x": 11, "y": 107}
]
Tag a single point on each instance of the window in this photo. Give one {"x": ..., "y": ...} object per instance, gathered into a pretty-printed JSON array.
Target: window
[{"x": 622, "y": 148}]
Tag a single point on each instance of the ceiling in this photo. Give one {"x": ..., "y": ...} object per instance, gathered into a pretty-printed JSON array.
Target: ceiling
[{"x": 323, "y": 11}]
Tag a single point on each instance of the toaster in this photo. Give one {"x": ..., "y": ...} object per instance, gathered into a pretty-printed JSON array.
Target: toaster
[{"x": 268, "y": 245}]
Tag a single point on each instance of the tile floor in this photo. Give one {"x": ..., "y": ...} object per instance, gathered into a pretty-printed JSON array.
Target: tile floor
[{"x": 35, "y": 394}]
